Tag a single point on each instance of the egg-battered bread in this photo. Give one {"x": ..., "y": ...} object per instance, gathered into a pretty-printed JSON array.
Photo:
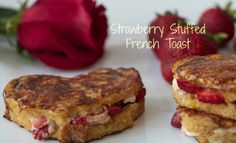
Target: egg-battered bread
[
  {"x": 207, "y": 128},
  {"x": 204, "y": 88},
  {"x": 78, "y": 109},
  {"x": 213, "y": 71}
]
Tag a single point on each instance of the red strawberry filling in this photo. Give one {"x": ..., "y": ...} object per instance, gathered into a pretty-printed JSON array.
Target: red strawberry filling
[
  {"x": 141, "y": 95},
  {"x": 79, "y": 120},
  {"x": 38, "y": 123},
  {"x": 41, "y": 133},
  {"x": 176, "y": 120},
  {"x": 210, "y": 96},
  {"x": 187, "y": 86},
  {"x": 40, "y": 128},
  {"x": 203, "y": 95},
  {"x": 114, "y": 110},
  {"x": 107, "y": 112}
]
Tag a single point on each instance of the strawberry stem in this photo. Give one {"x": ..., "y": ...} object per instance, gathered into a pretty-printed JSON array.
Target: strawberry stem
[
  {"x": 9, "y": 27},
  {"x": 217, "y": 38},
  {"x": 231, "y": 12}
]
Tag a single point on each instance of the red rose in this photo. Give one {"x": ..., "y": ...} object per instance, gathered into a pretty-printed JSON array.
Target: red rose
[{"x": 65, "y": 34}]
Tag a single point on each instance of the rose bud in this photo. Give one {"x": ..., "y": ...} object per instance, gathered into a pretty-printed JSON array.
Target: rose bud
[{"x": 65, "y": 34}]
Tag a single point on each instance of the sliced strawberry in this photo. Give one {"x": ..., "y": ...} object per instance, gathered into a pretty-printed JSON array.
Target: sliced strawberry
[
  {"x": 114, "y": 110},
  {"x": 176, "y": 120},
  {"x": 39, "y": 122},
  {"x": 210, "y": 96},
  {"x": 41, "y": 133},
  {"x": 80, "y": 120},
  {"x": 141, "y": 95},
  {"x": 188, "y": 86}
]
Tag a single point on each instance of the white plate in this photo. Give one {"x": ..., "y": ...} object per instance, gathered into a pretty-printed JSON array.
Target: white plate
[{"x": 154, "y": 125}]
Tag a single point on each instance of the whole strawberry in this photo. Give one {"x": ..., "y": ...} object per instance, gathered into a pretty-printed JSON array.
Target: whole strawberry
[
  {"x": 219, "y": 21},
  {"x": 166, "y": 70},
  {"x": 165, "y": 20},
  {"x": 199, "y": 45}
]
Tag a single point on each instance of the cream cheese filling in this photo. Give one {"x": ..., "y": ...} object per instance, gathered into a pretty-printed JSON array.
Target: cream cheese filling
[
  {"x": 176, "y": 87},
  {"x": 104, "y": 117},
  {"x": 188, "y": 133},
  {"x": 130, "y": 99},
  {"x": 101, "y": 118}
]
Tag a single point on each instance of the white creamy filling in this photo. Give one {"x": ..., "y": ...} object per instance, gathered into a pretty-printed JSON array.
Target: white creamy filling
[
  {"x": 175, "y": 84},
  {"x": 188, "y": 133},
  {"x": 176, "y": 87},
  {"x": 51, "y": 127},
  {"x": 130, "y": 99},
  {"x": 101, "y": 118}
]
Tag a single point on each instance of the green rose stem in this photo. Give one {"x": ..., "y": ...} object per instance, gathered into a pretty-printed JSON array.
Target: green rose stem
[{"x": 9, "y": 20}]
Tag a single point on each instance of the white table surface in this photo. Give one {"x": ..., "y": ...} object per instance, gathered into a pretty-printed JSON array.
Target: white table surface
[{"x": 154, "y": 125}]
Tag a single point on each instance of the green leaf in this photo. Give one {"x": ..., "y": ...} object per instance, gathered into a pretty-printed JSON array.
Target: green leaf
[
  {"x": 217, "y": 38},
  {"x": 6, "y": 13}
]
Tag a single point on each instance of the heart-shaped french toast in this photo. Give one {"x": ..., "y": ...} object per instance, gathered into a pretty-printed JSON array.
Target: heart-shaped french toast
[{"x": 78, "y": 109}]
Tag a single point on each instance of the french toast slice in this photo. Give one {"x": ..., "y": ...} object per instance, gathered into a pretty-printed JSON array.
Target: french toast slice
[
  {"x": 206, "y": 83},
  {"x": 78, "y": 109},
  {"x": 207, "y": 128}
]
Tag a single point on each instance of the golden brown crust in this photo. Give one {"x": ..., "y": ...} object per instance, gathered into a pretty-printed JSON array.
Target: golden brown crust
[
  {"x": 213, "y": 71},
  {"x": 217, "y": 120},
  {"x": 221, "y": 138},
  {"x": 61, "y": 100},
  {"x": 60, "y": 94},
  {"x": 206, "y": 127}
]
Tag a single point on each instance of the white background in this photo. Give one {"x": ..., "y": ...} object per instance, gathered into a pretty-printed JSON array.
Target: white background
[{"x": 154, "y": 125}]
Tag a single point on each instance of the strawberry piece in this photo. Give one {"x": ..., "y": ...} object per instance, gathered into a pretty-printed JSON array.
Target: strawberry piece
[
  {"x": 188, "y": 86},
  {"x": 39, "y": 122},
  {"x": 114, "y": 110},
  {"x": 141, "y": 95},
  {"x": 41, "y": 133},
  {"x": 176, "y": 120},
  {"x": 165, "y": 20},
  {"x": 210, "y": 96},
  {"x": 80, "y": 120}
]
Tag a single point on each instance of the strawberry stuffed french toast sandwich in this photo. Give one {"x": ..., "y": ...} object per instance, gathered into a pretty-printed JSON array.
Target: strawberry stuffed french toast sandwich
[
  {"x": 78, "y": 109},
  {"x": 204, "y": 88}
]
